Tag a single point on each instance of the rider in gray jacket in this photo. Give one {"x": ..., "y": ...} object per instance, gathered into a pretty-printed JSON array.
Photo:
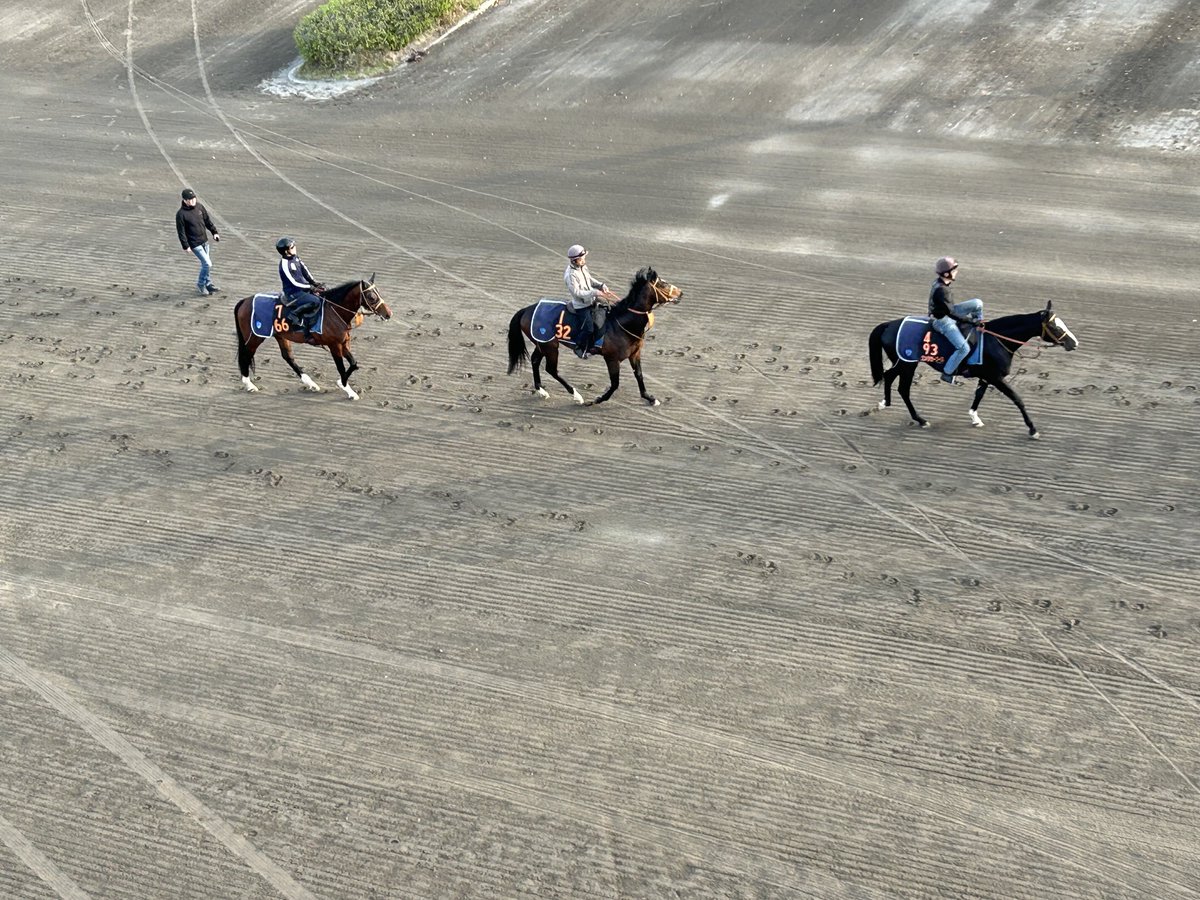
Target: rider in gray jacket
[{"x": 586, "y": 292}]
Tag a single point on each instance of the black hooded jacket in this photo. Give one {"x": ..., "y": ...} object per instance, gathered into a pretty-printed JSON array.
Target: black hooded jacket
[{"x": 191, "y": 222}]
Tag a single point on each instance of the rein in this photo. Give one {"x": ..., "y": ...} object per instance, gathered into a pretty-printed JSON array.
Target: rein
[
  {"x": 1018, "y": 344},
  {"x": 362, "y": 293}
]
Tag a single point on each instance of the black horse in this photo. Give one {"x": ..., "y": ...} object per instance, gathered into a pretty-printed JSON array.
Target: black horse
[
  {"x": 1002, "y": 339},
  {"x": 624, "y": 333}
]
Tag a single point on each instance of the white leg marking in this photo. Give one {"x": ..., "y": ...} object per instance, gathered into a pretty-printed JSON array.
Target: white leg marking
[
  {"x": 249, "y": 385},
  {"x": 883, "y": 404},
  {"x": 350, "y": 392},
  {"x": 541, "y": 392},
  {"x": 309, "y": 383},
  {"x": 975, "y": 420},
  {"x": 578, "y": 397}
]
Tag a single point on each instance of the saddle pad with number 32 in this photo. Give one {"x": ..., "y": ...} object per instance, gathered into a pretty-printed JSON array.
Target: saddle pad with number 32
[{"x": 554, "y": 319}]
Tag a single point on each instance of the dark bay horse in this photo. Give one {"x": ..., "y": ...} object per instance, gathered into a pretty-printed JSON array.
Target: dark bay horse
[
  {"x": 343, "y": 305},
  {"x": 1002, "y": 339},
  {"x": 624, "y": 333}
]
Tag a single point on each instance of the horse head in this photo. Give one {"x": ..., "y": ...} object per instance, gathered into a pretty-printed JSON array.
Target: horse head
[
  {"x": 649, "y": 291},
  {"x": 369, "y": 297},
  {"x": 1055, "y": 330}
]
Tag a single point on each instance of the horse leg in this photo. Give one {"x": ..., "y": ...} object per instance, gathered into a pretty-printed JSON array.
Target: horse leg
[
  {"x": 888, "y": 377},
  {"x": 906, "y": 380},
  {"x": 246, "y": 360},
  {"x": 535, "y": 363},
  {"x": 286, "y": 352},
  {"x": 1006, "y": 389},
  {"x": 614, "y": 380},
  {"x": 635, "y": 363},
  {"x": 552, "y": 370},
  {"x": 979, "y": 392},
  {"x": 343, "y": 370}
]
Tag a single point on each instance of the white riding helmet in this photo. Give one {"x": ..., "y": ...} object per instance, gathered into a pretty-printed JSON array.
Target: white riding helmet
[{"x": 575, "y": 251}]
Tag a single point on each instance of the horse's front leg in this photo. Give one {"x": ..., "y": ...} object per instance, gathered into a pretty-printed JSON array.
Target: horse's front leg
[
  {"x": 344, "y": 370},
  {"x": 285, "y": 350},
  {"x": 551, "y": 354},
  {"x": 979, "y": 392},
  {"x": 906, "y": 380},
  {"x": 614, "y": 380},
  {"x": 635, "y": 363},
  {"x": 1006, "y": 389}
]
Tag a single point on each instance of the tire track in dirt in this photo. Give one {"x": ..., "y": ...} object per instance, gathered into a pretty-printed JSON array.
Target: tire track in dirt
[
  {"x": 663, "y": 728},
  {"x": 137, "y": 762},
  {"x": 38, "y": 863}
]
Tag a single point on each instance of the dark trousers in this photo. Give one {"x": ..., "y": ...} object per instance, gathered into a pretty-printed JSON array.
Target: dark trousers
[{"x": 304, "y": 305}]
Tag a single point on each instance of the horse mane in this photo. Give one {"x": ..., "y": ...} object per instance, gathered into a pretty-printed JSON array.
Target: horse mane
[
  {"x": 644, "y": 275},
  {"x": 1017, "y": 323},
  {"x": 338, "y": 294}
]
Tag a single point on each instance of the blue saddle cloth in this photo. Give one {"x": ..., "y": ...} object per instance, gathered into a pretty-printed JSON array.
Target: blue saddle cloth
[
  {"x": 270, "y": 314},
  {"x": 917, "y": 341},
  {"x": 553, "y": 319}
]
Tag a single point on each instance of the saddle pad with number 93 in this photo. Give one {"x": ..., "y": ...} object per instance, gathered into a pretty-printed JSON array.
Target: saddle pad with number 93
[{"x": 917, "y": 341}]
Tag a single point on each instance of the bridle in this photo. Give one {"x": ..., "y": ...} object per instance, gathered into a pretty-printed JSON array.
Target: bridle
[
  {"x": 1050, "y": 338},
  {"x": 662, "y": 296},
  {"x": 366, "y": 290}
]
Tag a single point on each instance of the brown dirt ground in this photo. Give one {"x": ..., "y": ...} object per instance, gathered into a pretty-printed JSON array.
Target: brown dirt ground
[{"x": 456, "y": 641}]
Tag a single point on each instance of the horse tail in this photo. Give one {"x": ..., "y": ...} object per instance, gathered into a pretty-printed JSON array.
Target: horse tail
[
  {"x": 517, "y": 353},
  {"x": 244, "y": 356},
  {"x": 875, "y": 351}
]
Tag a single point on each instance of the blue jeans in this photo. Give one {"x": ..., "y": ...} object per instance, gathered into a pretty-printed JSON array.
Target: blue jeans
[
  {"x": 205, "y": 265},
  {"x": 946, "y": 326}
]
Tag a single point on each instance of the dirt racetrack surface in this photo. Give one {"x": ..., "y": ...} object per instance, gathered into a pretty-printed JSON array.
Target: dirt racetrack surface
[{"x": 455, "y": 640}]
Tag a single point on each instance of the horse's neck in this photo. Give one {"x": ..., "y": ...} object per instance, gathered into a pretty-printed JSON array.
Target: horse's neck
[
  {"x": 1019, "y": 328},
  {"x": 339, "y": 299},
  {"x": 637, "y": 318}
]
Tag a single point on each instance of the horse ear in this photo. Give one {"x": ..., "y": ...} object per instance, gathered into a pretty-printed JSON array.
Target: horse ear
[
  {"x": 372, "y": 281},
  {"x": 1049, "y": 305}
]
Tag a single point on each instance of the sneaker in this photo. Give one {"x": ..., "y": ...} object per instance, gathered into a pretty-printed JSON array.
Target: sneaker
[
  {"x": 212, "y": 288},
  {"x": 950, "y": 379},
  {"x": 201, "y": 290},
  {"x": 581, "y": 351}
]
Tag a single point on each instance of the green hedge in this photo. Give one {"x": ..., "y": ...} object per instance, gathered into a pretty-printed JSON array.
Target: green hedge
[{"x": 352, "y": 35}]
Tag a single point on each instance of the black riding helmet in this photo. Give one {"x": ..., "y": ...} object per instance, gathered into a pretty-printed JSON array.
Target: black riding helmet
[{"x": 284, "y": 244}]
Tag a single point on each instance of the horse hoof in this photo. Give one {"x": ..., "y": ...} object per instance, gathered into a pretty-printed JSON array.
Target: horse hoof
[
  {"x": 541, "y": 392},
  {"x": 589, "y": 403},
  {"x": 923, "y": 424},
  {"x": 653, "y": 401},
  {"x": 578, "y": 398},
  {"x": 883, "y": 404},
  {"x": 1034, "y": 436},
  {"x": 976, "y": 422},
  {"x": 250, "y": 386}
]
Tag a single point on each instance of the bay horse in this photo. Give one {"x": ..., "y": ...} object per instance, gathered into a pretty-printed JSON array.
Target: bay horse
[
  {"x": 624, "y": 333},
  {"x": 1002, "y": 339},
  {"x": 343, "y": 308}
]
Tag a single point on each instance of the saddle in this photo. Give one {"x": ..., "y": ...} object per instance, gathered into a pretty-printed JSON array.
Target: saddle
[
  {"x": 555, "y": 320},
  {"x": 271, "y": 314},
  {"x": 917, "y": 341}
]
